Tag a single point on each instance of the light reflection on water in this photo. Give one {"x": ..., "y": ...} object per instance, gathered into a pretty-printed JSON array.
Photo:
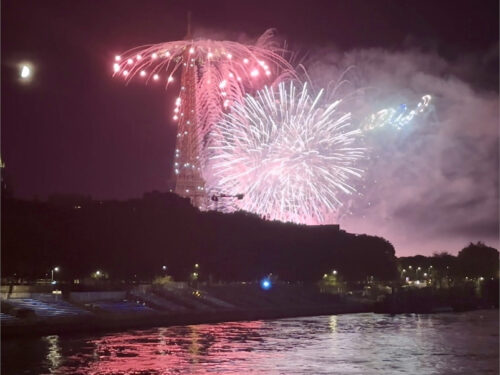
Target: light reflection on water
[
  {"x": 465, "y": 343},
  {"x": 54, "y": 354}
]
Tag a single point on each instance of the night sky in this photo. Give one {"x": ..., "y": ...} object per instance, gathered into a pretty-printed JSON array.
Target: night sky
[{"x": 75, "y": 129}]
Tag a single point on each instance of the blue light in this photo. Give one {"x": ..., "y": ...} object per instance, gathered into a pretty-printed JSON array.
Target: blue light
[{"x": 265, "y": 284}]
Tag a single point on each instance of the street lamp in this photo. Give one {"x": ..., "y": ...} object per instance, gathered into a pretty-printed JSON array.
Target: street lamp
[
  {"x": 55, "y": 269},
  {"x": 265, "y": 283}
]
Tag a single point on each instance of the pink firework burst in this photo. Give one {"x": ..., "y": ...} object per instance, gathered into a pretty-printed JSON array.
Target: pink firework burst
[{"x": 224, "y": 70}]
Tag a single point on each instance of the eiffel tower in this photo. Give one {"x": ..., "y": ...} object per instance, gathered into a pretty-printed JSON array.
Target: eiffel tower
[{"x": 188, "y": 183}]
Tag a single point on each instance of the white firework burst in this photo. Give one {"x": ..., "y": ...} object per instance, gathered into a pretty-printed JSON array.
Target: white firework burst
[{"x": 290, "y": 155}]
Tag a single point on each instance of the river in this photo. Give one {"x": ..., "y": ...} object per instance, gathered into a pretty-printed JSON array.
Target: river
[{"x": 454, "y": 343}]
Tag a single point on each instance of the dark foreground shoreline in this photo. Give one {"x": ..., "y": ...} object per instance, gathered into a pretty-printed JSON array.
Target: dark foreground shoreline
[
  {"x": 147, "y": 306},
  {"x": 99, "y": 324},
  {"x": 114, "y": 323}
]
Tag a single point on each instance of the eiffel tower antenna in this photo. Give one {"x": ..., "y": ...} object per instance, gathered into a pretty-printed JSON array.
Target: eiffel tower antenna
[{"x": 188, "y": 35}]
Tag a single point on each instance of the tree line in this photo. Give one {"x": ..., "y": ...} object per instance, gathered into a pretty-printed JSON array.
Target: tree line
[{"x": 162, "y": 233}]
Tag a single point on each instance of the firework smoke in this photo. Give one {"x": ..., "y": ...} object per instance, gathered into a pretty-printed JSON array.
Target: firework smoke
[{"x": 433, "y": 185}]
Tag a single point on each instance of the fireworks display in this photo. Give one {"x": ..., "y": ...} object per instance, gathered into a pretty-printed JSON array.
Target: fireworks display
[
  {"x": 397, "y": 118},
  {"x": 214, "y": 75},
  {"x": 291, "y": 155},
  {"x": 224, "y": 70},
  {"x": 280, "y": 152}
]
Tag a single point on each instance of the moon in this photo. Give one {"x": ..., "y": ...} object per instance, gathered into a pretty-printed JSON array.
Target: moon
[{"x": 25, "y": 72}]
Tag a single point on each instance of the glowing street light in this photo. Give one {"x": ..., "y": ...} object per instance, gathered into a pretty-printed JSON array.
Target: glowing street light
[
  {"x": 55, "y": 269},
  {"x": 265, "y": 283}
]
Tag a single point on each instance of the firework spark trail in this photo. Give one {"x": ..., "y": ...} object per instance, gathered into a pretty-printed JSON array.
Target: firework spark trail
[
  {"x": 397, "y": 118},
  {"x": 289, "y": 153},
  {"x": 226, "y": 70}
]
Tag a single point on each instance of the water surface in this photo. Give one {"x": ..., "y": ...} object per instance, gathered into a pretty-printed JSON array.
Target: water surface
[{"x": 455, "y": 343}]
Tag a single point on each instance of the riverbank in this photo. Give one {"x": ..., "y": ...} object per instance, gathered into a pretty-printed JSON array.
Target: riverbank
[
  {"x": 98, "y": 324},
  {"x": 176, "y": 304},
  {"x": 429, "y": 300},
  {"x": 146, "y": 306}
]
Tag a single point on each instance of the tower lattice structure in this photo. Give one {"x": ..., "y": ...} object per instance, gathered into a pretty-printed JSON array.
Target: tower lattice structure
[{"x": 189, "y": 182}]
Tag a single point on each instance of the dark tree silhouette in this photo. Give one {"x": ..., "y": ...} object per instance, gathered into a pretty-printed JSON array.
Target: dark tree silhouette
[
  {"x": 478, "y": 260},
  {"x": 133, "y": 239}
]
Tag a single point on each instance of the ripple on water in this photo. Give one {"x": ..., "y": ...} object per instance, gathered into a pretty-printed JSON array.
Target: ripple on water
[{"x": 465, "y": 343}]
